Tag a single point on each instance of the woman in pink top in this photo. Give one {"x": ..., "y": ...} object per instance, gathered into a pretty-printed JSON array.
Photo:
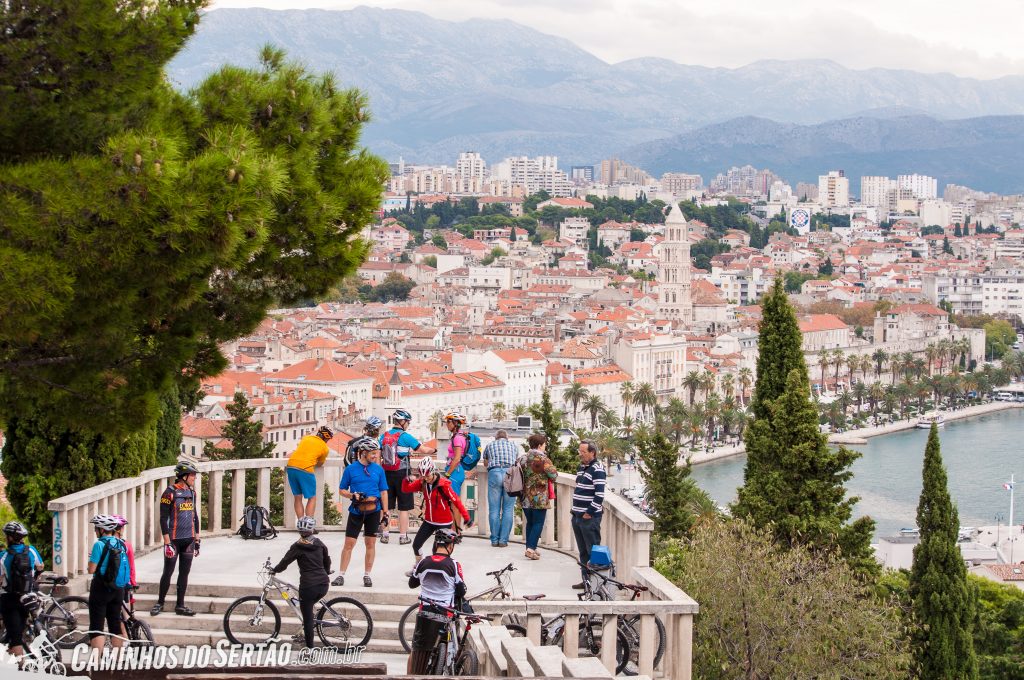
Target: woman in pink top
[{"x": 453, "y": 468}]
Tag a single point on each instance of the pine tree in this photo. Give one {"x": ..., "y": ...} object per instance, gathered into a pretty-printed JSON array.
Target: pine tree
[
  {"x": 669, "y": 487},
  {"x": 551, "y": 427},
  {"x": 168, "y": 427},
  {"x": 144, "y": 227},
  {"x": 944, "y": 602},
  {"x": 794, "y": 483},
  {"x": 826, "y": 268},
  {"x": 779, "y": 348}
]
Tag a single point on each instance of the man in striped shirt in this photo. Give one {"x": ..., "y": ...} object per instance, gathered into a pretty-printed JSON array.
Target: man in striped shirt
[
  {"x": 499, "y": 456},
  {"x": 588, "y": 502}
]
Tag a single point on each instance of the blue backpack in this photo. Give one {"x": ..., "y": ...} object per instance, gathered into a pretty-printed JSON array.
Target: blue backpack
[{"x": 471, "y": 456}]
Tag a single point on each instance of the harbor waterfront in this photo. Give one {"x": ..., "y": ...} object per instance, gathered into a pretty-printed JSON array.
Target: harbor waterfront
[{"x": 980, "y": 453}]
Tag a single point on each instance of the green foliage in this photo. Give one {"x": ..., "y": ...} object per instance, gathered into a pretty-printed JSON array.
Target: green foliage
[
  {"x": 332, "y": 516},
  {"x": 944, "y": 603},
  {"x": 246, "y": 437},
  {"x": 999, "y": 631},
  {"x": 999, "y": 337},
  {"x": 704, "y": 250},
  {"x": 767, "y": 612},
  {"x": 394, "y": 287},
  {"x": 793, "y": 483},
  {"x": 496, "y": 252},
  {"x": 779, "y": 346},
  {"x": 720, "y": 218},
  {"x": 551, "y": 427},
  {"x": 430, "y": 261},
  {"x": 822, "y": 222},
  {"x": 44, "y": 460},
  {"x": 794, "y": 280},
  {"x": 931, "y": 230},
  {"x": 439, "y": 241},
  {"x": 669, "y": 487},
  {"x": 168, "y": 427},
  {"x": 826, "y": 268}
]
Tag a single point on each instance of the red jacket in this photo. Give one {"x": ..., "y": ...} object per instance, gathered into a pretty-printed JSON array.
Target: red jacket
[{"x": 438, "y": 499}]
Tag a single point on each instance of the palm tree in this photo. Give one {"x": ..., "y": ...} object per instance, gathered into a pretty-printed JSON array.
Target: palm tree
[
  {"x": 824, "y": 361},
  {"x": 575, "y": 395},
  {"x": 728, "y": 384},
  {"x": 875, "y": 394},
  {"x": 919, "y": 367},
  {"x": 695, "y": 423},
  {"x": 677, "y": 419},
  {"x": 866, "y": 364},
  {"x": 435, "y": 422},
  {"x": 627, "y": 426},
  {"x": 860, "y": 391},
  {"x": 930, "y": 353},
  {"x": 712, "y": 409},
  {"x": 707, "y": 383},
  {"x": 691, "y": 381},
  {"x": 728, "y": 419},
  {"x": 963, "y": 349},
  {"x": 746, "y": 379},
  {"x": 908, "y": 364},
  {"x": 853, "y": 365},
  {"x": 646, "y": 398},
  {"x": 903, "y": 392},
  {"x": 595, "y": 407},
  {"x": 627, "y": 393},
  {"x": 612, "y": 446},
  {"x": 879, "y": 356},
  {"x": 838, "y": 359},
  {"x": 945, "y": 351},
  {"x": 498, "y": 411},
  {"x": 520, "y": 410},
  {"x": 922, "y": 390},
  {"x": 892, "y": 398}
]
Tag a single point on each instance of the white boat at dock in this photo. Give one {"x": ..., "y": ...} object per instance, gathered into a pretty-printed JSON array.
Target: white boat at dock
[{"x": 928, "y": 419}]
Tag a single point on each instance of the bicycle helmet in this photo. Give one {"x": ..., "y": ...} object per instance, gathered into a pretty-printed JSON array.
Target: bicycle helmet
[
  {"x": 121, "y": 521},
  {"x": 185, "y": 468},
  {"x": 373, "y": 423},
  {"x": 446, "y": 537},
  {"x": 30, "y": 601},
  {"x": 105, "y": 522},
  {"x": 325, "y": 433},
  {"x": 402, "y": 414},
  {"x": 455, "y": 417},
  {"x": 427, "y": 467},
  {"x": 15, "y": 529},
  {"x": 306, "y": 526},
  {"x": 366, "y": 444}
]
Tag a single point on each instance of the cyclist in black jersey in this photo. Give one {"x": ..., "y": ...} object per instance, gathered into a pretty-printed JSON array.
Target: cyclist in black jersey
[{"x": 179, "y": 523}]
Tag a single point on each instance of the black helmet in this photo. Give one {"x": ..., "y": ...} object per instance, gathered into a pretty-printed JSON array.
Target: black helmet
[
  {"x": 15, "y": 529},
  {"x": 446, "y": 537},
  {"x": 325, "y": 433},
  {"x": 184, "y": 468}
]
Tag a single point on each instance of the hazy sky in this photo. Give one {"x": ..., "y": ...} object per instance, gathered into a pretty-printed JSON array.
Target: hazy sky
[{"x": 980, "y": 39}]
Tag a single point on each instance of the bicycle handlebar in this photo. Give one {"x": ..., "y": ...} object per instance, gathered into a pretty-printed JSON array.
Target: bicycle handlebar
[
  {"x": 499, "y": 572},
  {"x": 473, "y": 618},
  {"x": 618, "y": 584}
]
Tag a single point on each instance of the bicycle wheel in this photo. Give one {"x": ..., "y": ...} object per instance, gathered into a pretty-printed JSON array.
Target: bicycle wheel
[
  {"x": 630, "y": 627},
  {"x": 66, "y": 621},
  {"x": 515, "y": 630},
  {"x": 591, "y": 643},
  {"x": 408, "y": 619},
  {"x": 139, "y": 632},
  {"x": 251, "y": 619},
  {"x": 467, "y": 663},
  {"x": 344, "y": 622}
]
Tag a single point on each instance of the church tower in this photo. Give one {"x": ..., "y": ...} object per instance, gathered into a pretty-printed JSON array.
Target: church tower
[{"x": 674, "y": 269}]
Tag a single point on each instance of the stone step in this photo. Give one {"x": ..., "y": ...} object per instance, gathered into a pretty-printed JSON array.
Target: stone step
[
  {"x": 368, "y": 596},
  {"x": 219, "y": 605}
]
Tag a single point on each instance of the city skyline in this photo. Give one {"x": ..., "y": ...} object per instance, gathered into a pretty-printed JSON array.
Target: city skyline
[{"x": 918, "y": 36}]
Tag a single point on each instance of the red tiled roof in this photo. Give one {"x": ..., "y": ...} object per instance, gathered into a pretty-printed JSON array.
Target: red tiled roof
[{"x": 319, "y": 370}]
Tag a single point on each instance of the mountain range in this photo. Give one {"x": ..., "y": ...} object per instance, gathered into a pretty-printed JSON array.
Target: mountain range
[{"x": 439, "y": 87}]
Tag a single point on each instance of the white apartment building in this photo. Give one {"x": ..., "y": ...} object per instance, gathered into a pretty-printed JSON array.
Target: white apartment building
[
  {"x": 471, "y": 166},
  {"x": 653, "y": 358},
  {"x": 834, "y": 190},
  {"x": 473, "y": 394},
  {"x": 521, "y": 370},
  {"x": 533, "y": 174},
  {"x": 740, "y": 285},
  {"x": 874, "y": 190},
  {"x": 963, "y": 290},
  {"x": 922, "y": 186},
  {"x": 574, "y": 229},
  {"x": 679, "y": 183},
  {"x": 1003, "y": 291},
  {"x": 352, "y": 388}
]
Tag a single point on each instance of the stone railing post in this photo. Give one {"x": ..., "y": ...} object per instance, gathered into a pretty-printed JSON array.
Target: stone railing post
[
  {"x": 237, "y": 495},
  {"x": 289, "y": 505},
  {"x": 482, "y": 482},
  {"x": 263, "y": 488},
  {"x": 215, "y": 504},
  {"x": 62, "y": 543}
]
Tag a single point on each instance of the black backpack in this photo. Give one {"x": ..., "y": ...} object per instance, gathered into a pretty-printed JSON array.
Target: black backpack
[
  {"x": 256, "y": 524},
  {"x": 22, "y": 576},
  {"x": 114, "y": 552}
]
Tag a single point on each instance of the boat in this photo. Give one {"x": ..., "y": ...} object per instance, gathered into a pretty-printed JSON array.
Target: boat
[{"x": 928, "y": 419}]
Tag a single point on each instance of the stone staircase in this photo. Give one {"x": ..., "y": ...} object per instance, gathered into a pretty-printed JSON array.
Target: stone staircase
[{"x": 211, "y": 601}]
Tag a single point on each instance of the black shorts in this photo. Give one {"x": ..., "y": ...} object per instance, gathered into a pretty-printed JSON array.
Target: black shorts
[
  {"x": 428, "y": 630},
  {"x": 14, "y": 615},
  {"x": 368, "y": 523},
  {"x": 104, "y": 607},
  {"x": 396, "y": 496}
]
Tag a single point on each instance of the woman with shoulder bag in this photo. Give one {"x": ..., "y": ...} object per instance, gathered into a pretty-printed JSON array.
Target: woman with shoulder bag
[{"x": 538, "y": 471}]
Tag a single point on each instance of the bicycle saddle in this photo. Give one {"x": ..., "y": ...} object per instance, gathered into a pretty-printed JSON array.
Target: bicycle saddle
[{"x": 532, "y": 598}]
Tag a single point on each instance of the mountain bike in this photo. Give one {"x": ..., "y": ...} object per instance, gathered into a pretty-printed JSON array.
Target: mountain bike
[
  {"x": 451, "y": 655},
  {"x": 501, "y": 591},
  {"x": 341, "y": 622},
  {"x": 65, "y": 619},
  {"x": 629, "y": 624},
  {"x": 138, "y": 631},
  {"x": 591, "y": 631}
]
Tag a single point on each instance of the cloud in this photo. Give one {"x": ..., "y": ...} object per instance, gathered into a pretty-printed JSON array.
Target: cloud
[{"x": 977, "y": 40}]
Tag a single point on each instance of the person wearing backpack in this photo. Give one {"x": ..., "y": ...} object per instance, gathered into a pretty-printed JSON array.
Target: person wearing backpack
[
  {"x": 314, "y": 562},
  {"x": 396, "y": 447},
  {"x": 179, "y": 524},
  {"x": 21, "y": 565},
  {"x": 370, "y": 429},
  {"x": 457, "y": 449},
  {"x": 108, "y": 563},
  {"x": 439, "y": 505}
]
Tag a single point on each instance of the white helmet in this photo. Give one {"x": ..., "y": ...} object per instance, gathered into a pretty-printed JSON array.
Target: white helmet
[
  {"x": 427, "y": 467},
  {"x": 306, "y": 526},
  {"x": 106, "y": 522}
]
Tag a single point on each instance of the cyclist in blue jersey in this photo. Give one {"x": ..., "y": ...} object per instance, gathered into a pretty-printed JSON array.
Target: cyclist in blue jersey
[
  {"x": 20, "y": 564},
  {"x": 108, "y": 563}
]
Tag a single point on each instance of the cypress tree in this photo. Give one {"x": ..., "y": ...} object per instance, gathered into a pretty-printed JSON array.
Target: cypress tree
[
  {"x": 246, "y": 437},
  {"x": 779, "y": 348},
  {"x": 794, "y": 483},
  {"x": 551, "y": 427},
  {"x": 943, "y": 601},
  {"x": 168, "y": 427}
]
